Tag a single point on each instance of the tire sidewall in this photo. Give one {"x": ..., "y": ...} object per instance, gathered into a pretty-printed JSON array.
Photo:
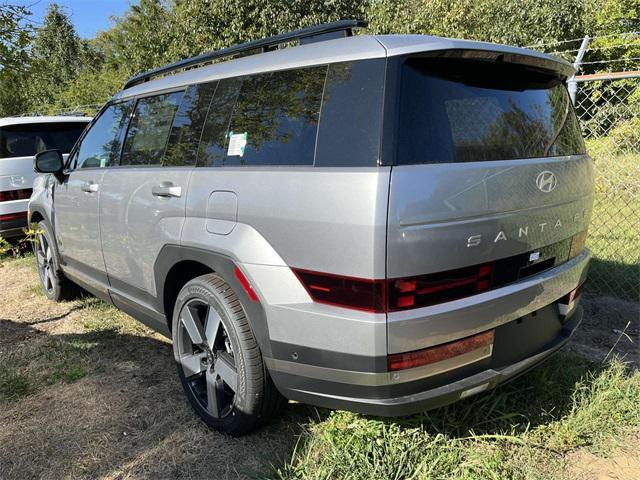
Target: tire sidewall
[
  {"x": 56, "y": 293},
  {"x": 196, "y": 289}
]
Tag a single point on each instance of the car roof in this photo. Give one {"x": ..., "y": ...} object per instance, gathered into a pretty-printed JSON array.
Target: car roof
[
  {"x": 42, "y": 119},
  {"x": 358, "y": 47}
]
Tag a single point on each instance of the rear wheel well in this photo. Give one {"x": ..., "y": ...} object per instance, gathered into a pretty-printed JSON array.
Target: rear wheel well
[
  {"x": 36, "y": 217},
  {"x": 177, "y": 277}
]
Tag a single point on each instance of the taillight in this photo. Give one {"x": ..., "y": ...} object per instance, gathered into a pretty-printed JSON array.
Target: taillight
[
  {"x": 424, "y": 290},
  {"x": 360, "y": 294},
  {"x": 13, "y": 216},
  {"x": 10, "y": 195},
  {"x": 401, "y": 361}
]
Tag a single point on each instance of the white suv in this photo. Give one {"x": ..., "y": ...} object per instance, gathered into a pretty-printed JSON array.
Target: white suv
[{"x": 20, "y": 139}]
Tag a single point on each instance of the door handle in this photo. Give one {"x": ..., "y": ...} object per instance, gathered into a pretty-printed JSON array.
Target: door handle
[
  {"x": 166, "y": 190},
  {"x": 89, "y": 187}
]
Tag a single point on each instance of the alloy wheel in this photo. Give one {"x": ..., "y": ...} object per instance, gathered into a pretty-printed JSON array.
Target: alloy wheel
[
  {"x": 44, "y": 257},
  {"x": 206, "y": 355}
]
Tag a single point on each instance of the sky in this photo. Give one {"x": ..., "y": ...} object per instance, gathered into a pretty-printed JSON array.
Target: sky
[{"x": 88, "y": 16}]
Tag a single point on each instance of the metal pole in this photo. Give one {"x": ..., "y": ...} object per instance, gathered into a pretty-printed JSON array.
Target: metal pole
[{"x": 571, "y": 83}]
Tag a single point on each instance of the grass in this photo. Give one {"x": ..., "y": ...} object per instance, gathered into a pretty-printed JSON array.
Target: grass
[
  {"x": 508, "y": 433},
  {"x": 36, "y": 365}
]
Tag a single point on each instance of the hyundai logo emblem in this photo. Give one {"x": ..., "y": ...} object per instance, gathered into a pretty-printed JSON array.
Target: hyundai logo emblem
[{"x": 546, "y": 181}]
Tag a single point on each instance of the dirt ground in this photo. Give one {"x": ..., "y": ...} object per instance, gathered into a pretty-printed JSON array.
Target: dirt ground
[{"x": 126, "y": 415}]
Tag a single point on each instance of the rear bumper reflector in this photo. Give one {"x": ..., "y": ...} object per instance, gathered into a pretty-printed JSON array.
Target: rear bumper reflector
[
  {"x": 401, "y": 361},
  {"x": 246, "y": 285},
  {"x": 569, "y": 302}
]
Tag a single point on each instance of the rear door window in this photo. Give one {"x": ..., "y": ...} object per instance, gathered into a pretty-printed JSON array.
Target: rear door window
[
  {"x": 149, "y": 128},
  {"x": 458, "y": 111},
  {"x": 28, "y": 139},
  {"x": 274, "y": 121},
  {"x": 101, "y": 146},
  {"x": 182, "y": 148}
]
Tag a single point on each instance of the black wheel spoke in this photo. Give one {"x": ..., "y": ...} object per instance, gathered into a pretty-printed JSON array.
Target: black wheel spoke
[
  {"x": 193, "y": 326},
  {"x": 224, "y": 367},
  {"x": 214, "y": 397},
  {"x": 202, "y": 348}
]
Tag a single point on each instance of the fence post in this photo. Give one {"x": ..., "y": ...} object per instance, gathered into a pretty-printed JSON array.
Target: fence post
[{"x": 571, "y": 83}]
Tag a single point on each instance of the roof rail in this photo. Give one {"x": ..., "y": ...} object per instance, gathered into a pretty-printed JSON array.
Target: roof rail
[{"x": 317, "y": 33}]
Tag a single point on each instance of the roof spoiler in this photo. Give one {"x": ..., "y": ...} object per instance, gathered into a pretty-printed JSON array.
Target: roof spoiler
[{"x": 540, "y": 61}]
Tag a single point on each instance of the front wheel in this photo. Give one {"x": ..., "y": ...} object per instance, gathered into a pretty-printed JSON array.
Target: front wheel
[
  {"x": 218, "y": 359},
  {"x": 54, "y": 285}
]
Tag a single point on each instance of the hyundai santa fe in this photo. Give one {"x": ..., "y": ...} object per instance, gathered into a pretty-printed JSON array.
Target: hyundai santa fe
[{"x": 384, "y": 224}]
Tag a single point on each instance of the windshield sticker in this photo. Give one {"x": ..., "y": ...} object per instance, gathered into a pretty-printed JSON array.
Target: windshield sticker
[{"x": 237, "y": 143}]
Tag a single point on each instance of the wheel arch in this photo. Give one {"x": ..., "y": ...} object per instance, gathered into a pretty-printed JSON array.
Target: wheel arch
[
  {"x": 36, "y": 217},
  {"x": 176, "y": 265}
]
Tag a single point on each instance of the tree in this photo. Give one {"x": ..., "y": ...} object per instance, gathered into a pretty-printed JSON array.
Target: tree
[
  {"x": 56, "y": 57},
  {"x": 14, "y": 35},
  {"x": 515, "y": 22}
]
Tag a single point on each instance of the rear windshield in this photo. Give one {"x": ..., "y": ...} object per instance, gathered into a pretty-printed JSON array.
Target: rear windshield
[
  {"x": 27, "y": 140},
  {"x": 463, "y": 111}
]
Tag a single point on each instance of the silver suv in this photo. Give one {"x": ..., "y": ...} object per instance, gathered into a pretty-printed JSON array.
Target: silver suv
[
  {"x": 20, "y": 139},
  {"x": 383, "y": 224}
]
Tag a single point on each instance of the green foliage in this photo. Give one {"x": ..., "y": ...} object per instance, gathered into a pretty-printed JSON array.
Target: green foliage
[
  {"x": 54, "y": 69},
  {"x": 56, "y": 57},
  {"x": 516, "y": 22},
  {"x": 14, "y": 35}
]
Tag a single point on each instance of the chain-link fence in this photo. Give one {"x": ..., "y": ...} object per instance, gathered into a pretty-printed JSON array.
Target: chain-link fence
[
  {"x": 606, "y": 95},
  {"x": 608, "y": 106}
]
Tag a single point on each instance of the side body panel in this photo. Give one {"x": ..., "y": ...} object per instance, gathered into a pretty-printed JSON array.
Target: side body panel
[
  {"x": 138, "y": 217},
  {"x": 324, "y": 219}
]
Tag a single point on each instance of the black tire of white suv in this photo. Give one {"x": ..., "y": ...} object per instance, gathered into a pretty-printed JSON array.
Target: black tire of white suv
[
  {"x": 218, "y": 359},
  {"x": 54, "y": 284}
]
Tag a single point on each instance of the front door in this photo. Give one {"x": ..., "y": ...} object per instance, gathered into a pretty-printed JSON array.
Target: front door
[{"x": 77, "y": 200}]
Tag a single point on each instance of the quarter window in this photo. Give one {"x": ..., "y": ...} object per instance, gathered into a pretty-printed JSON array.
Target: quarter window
[
  {"x": 149, "y": 129},
  {"x": 101, "y": 146}
]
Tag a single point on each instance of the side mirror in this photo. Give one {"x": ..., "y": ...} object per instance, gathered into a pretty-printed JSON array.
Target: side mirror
[{"x": 49, "y": 161}]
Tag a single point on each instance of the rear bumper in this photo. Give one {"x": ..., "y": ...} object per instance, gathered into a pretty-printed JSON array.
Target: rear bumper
[
  {"x": 525, "y": 317},
  {"x": 13, "y": 228},
  {"x": 406, "y": 399}
]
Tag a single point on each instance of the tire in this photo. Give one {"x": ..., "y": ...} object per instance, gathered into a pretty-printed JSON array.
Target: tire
[
  {"x": 54, "y": 284},
  {"x": 218, "y": 359}
]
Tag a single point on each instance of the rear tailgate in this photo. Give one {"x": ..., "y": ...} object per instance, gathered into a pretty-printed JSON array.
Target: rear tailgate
[
  {"x": 490, "y": 186},
  {"x": 446, "y": 216}
]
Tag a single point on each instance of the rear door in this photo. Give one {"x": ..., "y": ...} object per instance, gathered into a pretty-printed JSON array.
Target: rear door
[
  {"x": 143, "y": 200},
  {"x": 489, "y": 164}
]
